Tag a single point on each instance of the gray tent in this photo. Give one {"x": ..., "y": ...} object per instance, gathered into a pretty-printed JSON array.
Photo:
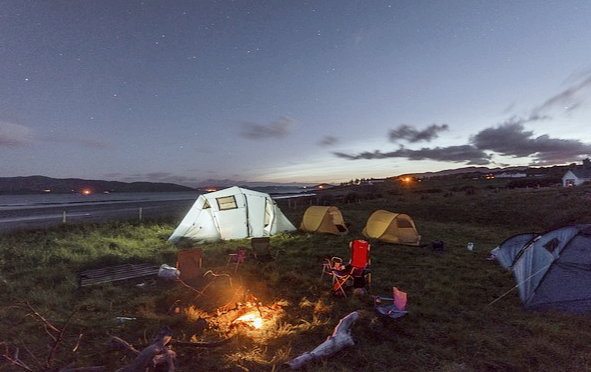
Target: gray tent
[{"x": 553, "y": 269}]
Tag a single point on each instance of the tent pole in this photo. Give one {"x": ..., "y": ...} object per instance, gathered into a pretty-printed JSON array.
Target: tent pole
[{"x": 518, "y": 284}]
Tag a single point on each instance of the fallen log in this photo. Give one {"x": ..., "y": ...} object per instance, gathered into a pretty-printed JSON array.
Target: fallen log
[
  {"x": 340, "y": 338},
  {"x": 83, "y": 369},
  {"x": 118, "y": 344},
  {"x": 156, "y": 353},
  {"x": 201, "y": 344},
  {"x": 125, "y": 347}
]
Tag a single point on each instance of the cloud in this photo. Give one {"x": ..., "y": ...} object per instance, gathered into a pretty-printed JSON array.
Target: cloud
[
  {"x": 455, "y": 154},
  {"x": 276, "y": 129},
  {"x": 410, "y": 134},
  {"x": 569, "y": 99},
  {"x": 68, "y": 139},
  {"x": 511, "y": 139},
  {"x": 328, "y": 141},
  {"x": 158, "y": 176},
  {"x": 15, "y": 135},
  {"x": 86, "y": 142}
]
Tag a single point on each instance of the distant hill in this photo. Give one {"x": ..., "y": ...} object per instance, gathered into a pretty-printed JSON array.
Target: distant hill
[
  {"x": 529, "y": 171},
  {"x": 230, "y": 183},
  {"x": 41, "y": 184},
  {"x": 450, "y": 172}
]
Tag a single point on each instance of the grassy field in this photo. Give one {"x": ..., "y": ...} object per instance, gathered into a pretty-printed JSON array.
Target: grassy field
[{"x": 464, "y": 314}]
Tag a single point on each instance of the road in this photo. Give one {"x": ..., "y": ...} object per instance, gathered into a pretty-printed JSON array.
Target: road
[{"x": 35, "y": 217}]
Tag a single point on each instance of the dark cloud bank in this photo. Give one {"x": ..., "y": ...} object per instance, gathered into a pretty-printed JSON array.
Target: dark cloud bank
[{"x": 509, "y": 138}]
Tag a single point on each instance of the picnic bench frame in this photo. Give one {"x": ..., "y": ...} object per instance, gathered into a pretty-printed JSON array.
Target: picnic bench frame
[{"x": 116, "y": 273}]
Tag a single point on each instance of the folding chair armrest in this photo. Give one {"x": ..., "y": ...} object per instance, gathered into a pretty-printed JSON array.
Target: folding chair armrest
[
  {"x": 379, "y": 299},
  {"x": 335, "y": 263}
]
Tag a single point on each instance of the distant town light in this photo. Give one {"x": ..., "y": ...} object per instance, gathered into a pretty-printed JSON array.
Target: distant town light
[{"x": 86, "y": 192}]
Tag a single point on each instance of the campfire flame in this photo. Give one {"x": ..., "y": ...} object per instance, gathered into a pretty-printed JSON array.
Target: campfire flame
[{"x": 252, "y": 319}]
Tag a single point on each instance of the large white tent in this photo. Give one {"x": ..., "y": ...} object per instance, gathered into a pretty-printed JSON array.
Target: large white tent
[{"x": 232, "y": 213}]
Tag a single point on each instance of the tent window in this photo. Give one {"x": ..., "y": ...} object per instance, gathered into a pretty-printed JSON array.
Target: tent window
[
  {"x": 403, "y": 224},
  {"x": 227, "y": 202},
  {"x": 206, "y": 205},
  {"x": 552, "y": 245}
]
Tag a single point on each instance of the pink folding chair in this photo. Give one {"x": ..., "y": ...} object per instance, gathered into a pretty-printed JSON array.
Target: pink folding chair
[
  {"x": 237, "y": 258},
  {"x": 396, "y": 309}
]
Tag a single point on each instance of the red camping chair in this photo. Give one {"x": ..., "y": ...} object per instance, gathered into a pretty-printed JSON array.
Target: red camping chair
[{"x": 356, "y": 271}]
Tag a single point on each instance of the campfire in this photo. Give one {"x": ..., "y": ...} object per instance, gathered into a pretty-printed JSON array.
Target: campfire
[
  {"x": 251, "y": 315},
  {"x": 252, "y": 319}
]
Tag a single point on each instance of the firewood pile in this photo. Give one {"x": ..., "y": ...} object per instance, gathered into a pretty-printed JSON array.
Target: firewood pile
[{"x": 237, "y": 317}]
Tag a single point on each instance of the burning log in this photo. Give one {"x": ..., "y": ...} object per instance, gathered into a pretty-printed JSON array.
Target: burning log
[{"x": 340, "y": 338}]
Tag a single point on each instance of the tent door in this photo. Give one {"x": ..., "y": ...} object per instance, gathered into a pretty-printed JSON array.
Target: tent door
[
  {"x": 256, "y": 215},
  {"x": 231, "y": 217}
]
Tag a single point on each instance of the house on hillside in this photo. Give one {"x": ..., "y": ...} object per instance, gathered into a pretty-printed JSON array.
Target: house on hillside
[{"x": 578, "y": 174}]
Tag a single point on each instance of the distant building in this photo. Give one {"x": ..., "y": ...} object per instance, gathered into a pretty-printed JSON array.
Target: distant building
[
  {"x": 577, "y": 174},
  {"x": 510, "y": 175}
]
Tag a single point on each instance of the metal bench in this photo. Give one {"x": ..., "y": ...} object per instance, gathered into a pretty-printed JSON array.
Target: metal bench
[{"x": 116, "y": 273}]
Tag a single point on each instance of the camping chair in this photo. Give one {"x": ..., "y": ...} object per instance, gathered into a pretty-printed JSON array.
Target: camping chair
[
  {"x": 237, "y": 258},
  {"x": 189, "y": 262},
  {"x": 357, "y": 270},
  {"x": 261, "y": 251},
  {"x": 330, "y": 265},
  {"x": 396, "y": 309}
]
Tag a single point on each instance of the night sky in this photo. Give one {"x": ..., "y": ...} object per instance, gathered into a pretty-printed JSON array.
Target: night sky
[{"x": 290, "y": 91}]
